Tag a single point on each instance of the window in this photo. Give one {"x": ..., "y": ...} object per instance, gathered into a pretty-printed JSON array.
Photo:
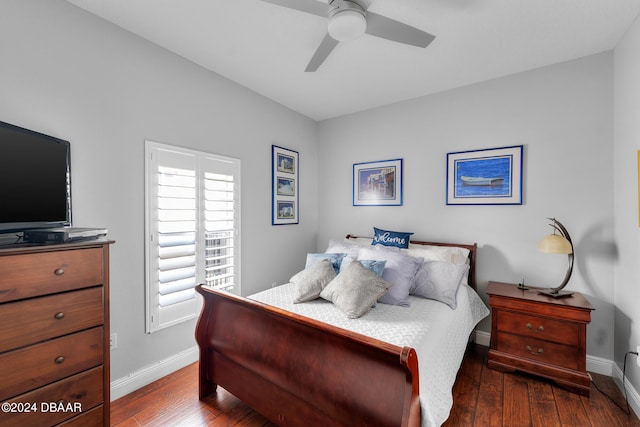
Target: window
[{"x": 192, "y": 230}]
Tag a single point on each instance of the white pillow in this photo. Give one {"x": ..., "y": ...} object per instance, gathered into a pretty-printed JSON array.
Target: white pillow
[
  {"x": 399, "y": 271},
  {"x": 452, "y": 254},
  {"x": 360, "y": 241},
  {"x": 312, "y": 280},
  {"x": 355, "y": 290},
  {"x": 439, "y": 281},
  {"x": 351, "y": 249}
]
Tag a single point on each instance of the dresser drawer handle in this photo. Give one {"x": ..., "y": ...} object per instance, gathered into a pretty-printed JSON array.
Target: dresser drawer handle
[
  {"x": 59, "y": 271},
  {"x": 539, "y": 329},
  {"x": 59, "y": 315},
  {"x": 530, "y": 350},
  {"x": 59, "y": 359}
]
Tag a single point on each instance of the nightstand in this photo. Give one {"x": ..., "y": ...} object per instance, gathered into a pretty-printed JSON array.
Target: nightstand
[{"x": 540, "y": 335}]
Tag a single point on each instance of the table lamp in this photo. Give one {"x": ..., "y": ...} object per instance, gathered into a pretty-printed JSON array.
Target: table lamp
[{"x": 558, "y": 243}]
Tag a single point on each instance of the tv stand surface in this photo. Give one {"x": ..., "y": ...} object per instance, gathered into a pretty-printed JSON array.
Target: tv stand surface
[{"x": 15, "y": 241}]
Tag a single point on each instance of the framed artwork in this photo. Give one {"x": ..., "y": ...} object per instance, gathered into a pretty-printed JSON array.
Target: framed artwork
[
  {"x": 377, "y": 183},
  {"x": 492, "y": 176},
  {"x": 284, "y": 177}
]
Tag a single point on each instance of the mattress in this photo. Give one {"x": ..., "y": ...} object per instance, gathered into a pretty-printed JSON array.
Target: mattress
[{"x": 437, "y": 333}]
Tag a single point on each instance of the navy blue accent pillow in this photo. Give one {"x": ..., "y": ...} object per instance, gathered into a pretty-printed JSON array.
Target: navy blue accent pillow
[{"x": 391, "y": 238}]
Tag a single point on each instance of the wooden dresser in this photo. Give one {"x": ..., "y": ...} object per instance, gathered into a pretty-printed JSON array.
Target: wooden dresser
[
  {"x": 54, "y": 334},
  {"x": 540, "y": 335}
]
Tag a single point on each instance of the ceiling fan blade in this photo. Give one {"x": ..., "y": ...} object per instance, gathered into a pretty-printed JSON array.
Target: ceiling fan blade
[
  {"x": 325, "y": 48},
  {"x": 309, "y": 6},
  {"x": 390, "y": 29}
]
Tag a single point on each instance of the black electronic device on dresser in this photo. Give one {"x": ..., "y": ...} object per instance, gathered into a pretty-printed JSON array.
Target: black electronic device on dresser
[
  {"x": 63, "y": 234},
  {"x": 35, "y": 189},
  {"x": 35, "y": 180}
]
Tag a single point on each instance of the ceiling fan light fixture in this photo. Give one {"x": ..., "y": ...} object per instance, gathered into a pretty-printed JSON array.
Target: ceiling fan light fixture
[{"x": 346, "y": 25}]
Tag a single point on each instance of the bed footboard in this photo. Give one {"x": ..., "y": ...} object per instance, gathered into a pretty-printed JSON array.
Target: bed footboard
[{"x": 299, "y": 372}]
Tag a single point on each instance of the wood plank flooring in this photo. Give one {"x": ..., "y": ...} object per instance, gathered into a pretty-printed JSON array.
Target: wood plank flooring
[{"x": 482, "y": 397}]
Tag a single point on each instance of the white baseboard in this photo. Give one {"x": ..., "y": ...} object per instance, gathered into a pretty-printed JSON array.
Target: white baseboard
[
  {"x": 600, "y": 366},
  {"x": 149, "y": 374},
  {"x": 483, "y": 338},
  {"x": 632, "y": 393}
]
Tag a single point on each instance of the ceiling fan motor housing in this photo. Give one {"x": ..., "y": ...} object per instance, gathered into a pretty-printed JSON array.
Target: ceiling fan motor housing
[{"x": 347, "y": 21}]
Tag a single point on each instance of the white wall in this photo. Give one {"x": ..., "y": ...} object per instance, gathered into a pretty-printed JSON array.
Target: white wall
[
  {"x": 625, "y": 191},
  {"x": 66, "y": 73},
  {"x": 562, "y": 114}
]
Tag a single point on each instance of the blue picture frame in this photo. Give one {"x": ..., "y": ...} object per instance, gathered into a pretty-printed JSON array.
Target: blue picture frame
[
  {"x": 491, "y": 176},
  {"x": 377, "y": 183},
  {"x": 285, "y": 207}
]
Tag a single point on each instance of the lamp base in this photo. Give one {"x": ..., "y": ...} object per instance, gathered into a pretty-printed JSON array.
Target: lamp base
[{"x": 555, "y": 294}]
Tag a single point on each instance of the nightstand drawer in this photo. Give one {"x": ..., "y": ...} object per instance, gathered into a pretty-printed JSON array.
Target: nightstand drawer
[
  {"x": 28, "y": 275},
  {"x": 31, "y": 367},
  {"x": 538, "y": 327},
  {"x": 538, "y": 350},
  {"x": 49, "y": 317}
]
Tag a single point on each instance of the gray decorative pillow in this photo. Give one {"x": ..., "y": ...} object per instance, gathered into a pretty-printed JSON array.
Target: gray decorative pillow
[
  {"x": 310, "y": 281},
  {"x": 439, "y": 281},
  {"x": 355, "y": 290},
  {"x": 371, "y": 264}
]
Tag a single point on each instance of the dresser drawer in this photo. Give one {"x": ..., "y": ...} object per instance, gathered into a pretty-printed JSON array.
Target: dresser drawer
[
  {"x": 48, "y": 317},
  {"x": 538, "y": 327},
  {"x": 538, "y": 350},
  {"x": 62, "y": 400},
  {"x": 28, "y": 275},
  {"x": 34, "y": 366},
  {"x": 93, "y": 418}
]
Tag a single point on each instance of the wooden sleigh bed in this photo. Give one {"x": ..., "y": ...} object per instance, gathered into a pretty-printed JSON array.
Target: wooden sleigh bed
[{"x": 297, "y": 371}]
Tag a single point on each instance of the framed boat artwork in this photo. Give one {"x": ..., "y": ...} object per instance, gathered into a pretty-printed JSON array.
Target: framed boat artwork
[{"x": 491, "y": 176}]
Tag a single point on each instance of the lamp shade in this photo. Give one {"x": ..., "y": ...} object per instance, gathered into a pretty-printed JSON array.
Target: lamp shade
[
  {"x": 555, "y": 244},
  {"x": 347, "y": 25},
  {"x": 558, "y": 244}
]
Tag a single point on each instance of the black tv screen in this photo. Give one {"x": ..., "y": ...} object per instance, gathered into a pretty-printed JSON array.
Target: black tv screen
[{"x": 35, "y": 180}]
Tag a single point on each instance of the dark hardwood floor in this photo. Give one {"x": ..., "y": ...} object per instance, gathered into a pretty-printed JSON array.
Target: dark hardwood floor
[{"x": 482, "y": 397}]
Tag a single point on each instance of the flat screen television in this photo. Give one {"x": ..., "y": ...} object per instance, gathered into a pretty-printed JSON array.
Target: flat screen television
[{"x": 35, "y": 180}]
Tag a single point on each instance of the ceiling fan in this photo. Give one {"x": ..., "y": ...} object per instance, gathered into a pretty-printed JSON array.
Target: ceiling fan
[{"x": 348, "y": 20}]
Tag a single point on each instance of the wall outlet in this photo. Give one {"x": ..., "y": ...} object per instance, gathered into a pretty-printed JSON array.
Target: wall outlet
[{"x": 113, "y": 342}]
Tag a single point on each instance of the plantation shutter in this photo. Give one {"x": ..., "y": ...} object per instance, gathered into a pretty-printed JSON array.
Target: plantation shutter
[
  {"x": 220, "y": 221},
  {"x": 192, "y": 229}
]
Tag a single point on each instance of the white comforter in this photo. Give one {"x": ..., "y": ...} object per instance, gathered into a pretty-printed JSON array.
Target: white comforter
[{"x": 437, "y": 333}]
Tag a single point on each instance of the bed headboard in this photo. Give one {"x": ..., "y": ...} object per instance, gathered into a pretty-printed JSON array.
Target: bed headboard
[{"x": 472, "y": 254}]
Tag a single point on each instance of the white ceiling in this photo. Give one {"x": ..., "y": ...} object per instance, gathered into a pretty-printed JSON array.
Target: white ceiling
[{"x": 266, "y": 47}]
